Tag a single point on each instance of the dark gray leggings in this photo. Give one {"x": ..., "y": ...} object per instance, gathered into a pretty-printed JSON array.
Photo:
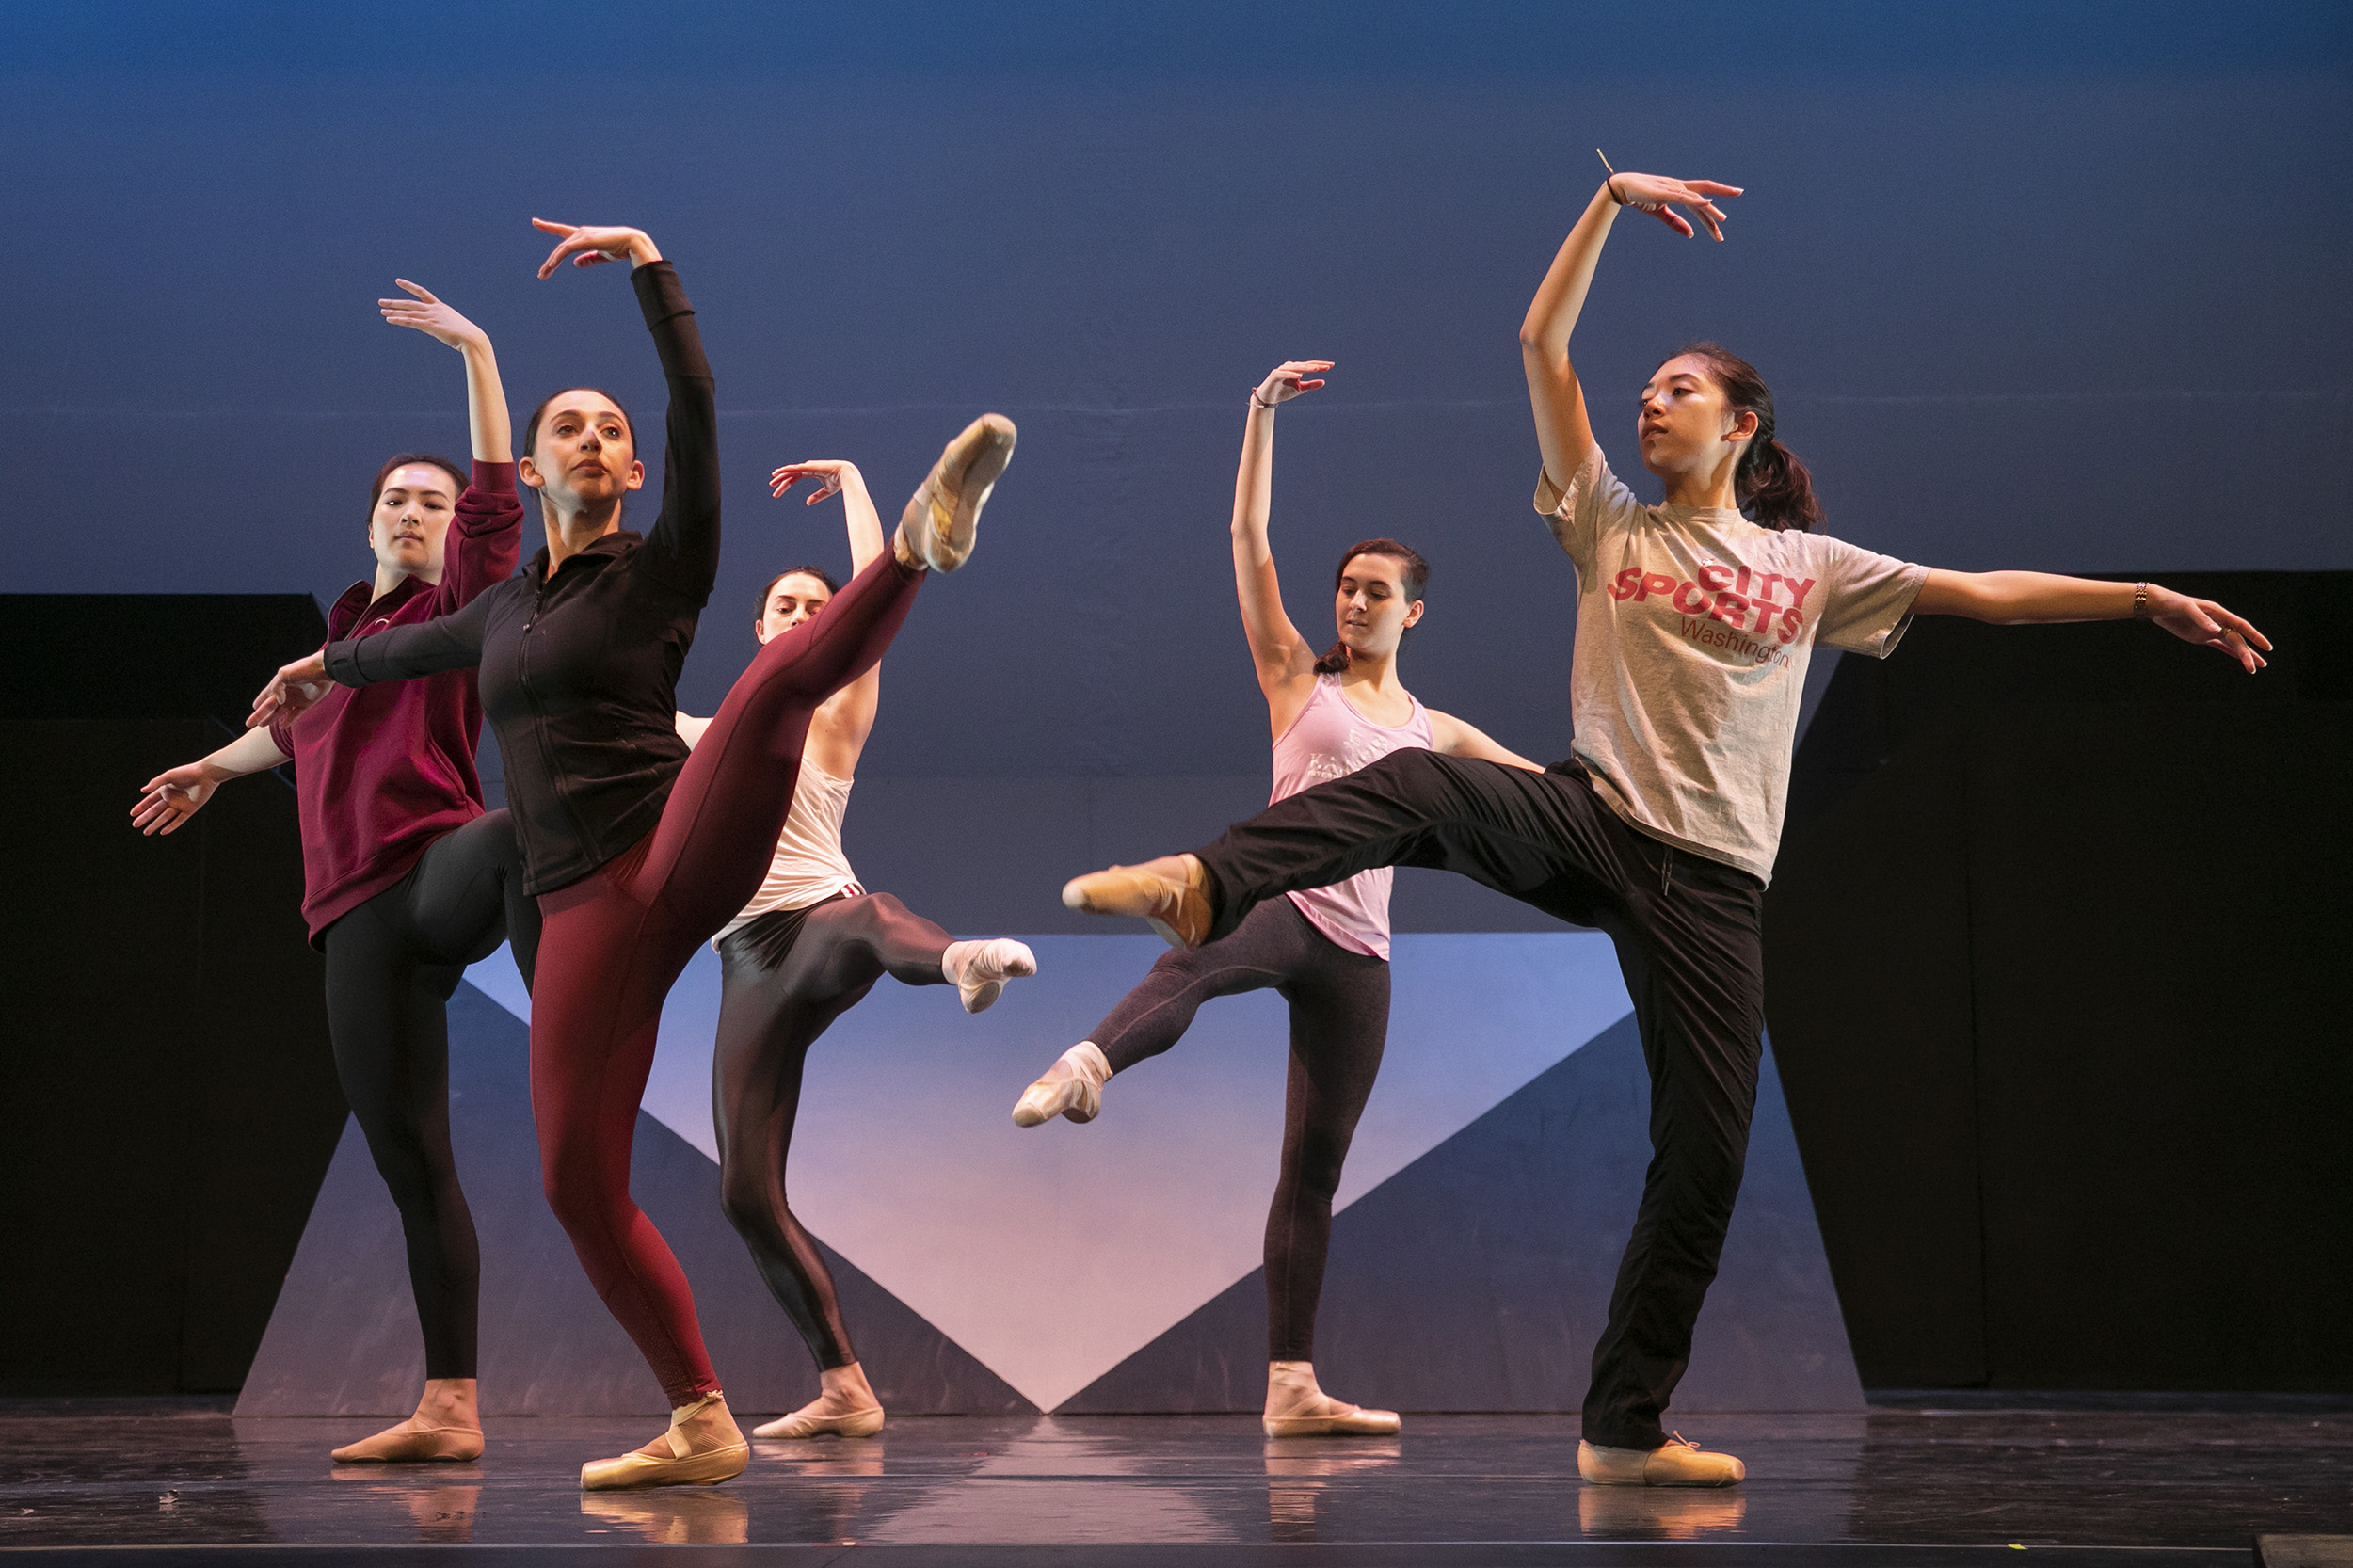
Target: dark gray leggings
[
  {"x": 392, "y": 965},
  {"x": 1339, "y": 1005},
  {"x": 785, "y": 977}
]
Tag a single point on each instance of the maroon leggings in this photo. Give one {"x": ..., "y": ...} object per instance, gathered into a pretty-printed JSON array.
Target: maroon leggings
[{"x": 612, "y": 943}]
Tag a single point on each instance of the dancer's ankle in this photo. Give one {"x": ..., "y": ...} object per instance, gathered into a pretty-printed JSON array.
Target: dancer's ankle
[
  {"x": 1290, "y": 1385},
  {"x": 449, "y": 1402},
  {"x": 846, "y": 1388}
]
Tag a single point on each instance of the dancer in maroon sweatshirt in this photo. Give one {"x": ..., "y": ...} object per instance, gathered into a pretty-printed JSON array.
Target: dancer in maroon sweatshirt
[
  {"x": 407, "y": 879},
  {"x": 637, "y": 851}
]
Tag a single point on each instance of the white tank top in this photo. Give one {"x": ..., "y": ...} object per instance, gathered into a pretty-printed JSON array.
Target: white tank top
[
  {"x": 1328, "y": 740},
  {"x": 810, "y": 866}
]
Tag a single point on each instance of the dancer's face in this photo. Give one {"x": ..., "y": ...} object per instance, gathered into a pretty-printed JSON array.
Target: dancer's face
[
  {"x": 583, "y": 456},
  {"x": 794, "y": 598},
  {"x": 1370, "y": 609},
  {"x": 1684, "y": 425},
  {"x": 412, "y": 519}
]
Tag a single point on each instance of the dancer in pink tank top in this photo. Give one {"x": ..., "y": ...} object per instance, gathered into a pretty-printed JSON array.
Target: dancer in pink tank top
[{"x": 1326, "y": 950}]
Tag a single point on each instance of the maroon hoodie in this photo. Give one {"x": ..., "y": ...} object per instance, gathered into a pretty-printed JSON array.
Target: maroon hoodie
[{"x": 382, "y": 770}]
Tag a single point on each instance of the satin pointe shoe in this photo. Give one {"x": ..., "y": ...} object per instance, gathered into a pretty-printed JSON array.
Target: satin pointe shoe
[
  {"x": 703, "y": 1448},
  {"x": 1072, "y": 1087},
  {"x": 937, "y": 528},
  {"x": 810, "y": 1421},
  {"x": 412, "y": 1444}
]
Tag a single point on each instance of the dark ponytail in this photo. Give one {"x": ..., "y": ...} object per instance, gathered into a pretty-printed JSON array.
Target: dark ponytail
[
  {"x": 1772, "y": 484},
  {"x": 1415, "y": 575}
]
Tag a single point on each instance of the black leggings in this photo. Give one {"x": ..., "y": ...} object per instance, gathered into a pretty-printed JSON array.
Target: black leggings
[
  {"x": 1339, "y": 1004},
  {"x": 392, "y": 964},
  {"x": 786, "y": 976},
  {"x": 1689, "y": 935}
]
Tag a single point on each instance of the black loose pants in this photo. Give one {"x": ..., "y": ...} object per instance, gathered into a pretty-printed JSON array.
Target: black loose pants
[{"x": 1688, "y": 933}]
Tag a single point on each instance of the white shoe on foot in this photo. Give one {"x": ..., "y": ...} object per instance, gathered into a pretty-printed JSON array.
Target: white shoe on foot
[
  {"x": 981, "y": 969},
  {"x": 1072, "y": 1087},
  {"x": 1677, "y": 1463},
  {"x": 936, "y": 528}
]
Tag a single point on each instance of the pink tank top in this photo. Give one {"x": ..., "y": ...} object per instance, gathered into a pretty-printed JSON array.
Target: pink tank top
[{"x": 1329, "y": 739}]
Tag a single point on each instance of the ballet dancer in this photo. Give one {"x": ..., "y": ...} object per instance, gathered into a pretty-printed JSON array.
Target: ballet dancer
[
  {"x": 1694, "y": 625},
  {"x": 806, "y": 950},
  {"x": 1327, "y": 949},
  {"x": 407, "y": 879},
  {"x": 636, "y": 850}
]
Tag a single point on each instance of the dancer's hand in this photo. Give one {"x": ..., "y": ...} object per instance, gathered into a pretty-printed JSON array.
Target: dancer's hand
[
  {"x": 1286, "y": 380},
  {"x": 295, "y": 687},
  {"x": 2209, "y": 625},
  {"x": 173, "y": 797},
  {"x": 831, "y": 474},
  {"x": 1659, "y": 197},
  {"x": 588, "y": 246},
  {"x": 431, "y": 317}
]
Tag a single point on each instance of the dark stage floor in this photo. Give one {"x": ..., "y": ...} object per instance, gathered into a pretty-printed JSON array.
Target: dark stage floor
[{"x": 152, "y": 1484}]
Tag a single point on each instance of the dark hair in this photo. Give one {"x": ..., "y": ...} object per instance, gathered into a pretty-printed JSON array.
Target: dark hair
[
  {"x": 818, "y": 572},
  {"x": 1771, "y": 485},
  {"x": 1417, "y": 575},
  {"x": 375, "y": 491},
  {"x": 531, "y": 430}
]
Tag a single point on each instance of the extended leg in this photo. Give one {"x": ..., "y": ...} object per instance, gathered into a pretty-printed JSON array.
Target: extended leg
[{"x": 1261, "y": 953}]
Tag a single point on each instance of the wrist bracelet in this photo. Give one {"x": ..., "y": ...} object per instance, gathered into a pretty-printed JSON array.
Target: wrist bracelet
[
  {"x": 1257, "y": 403},
  {"x": 2140, "y": 601},
  {"x": 1609, "y": 184}
]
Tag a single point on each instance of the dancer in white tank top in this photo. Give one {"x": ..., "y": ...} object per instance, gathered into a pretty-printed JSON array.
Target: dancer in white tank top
[
  {"x": 806, "y": 949},
  {"x": 1326, "y": 950}
]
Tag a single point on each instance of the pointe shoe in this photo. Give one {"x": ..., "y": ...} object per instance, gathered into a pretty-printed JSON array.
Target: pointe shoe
[
  {"x": 809, "y": 1422},
  {"x": 411, "y": 1443},
  {"x": 1676, "y": 1463},
  {"x": 702, "y": 1448},
  {"x": 936, "y": 529},
  {"x": 1178, "y": 910},
  {"x": 1342, "y": 1420},
  {"x": 1072, "y": 1087},
  {"x": 987, "y": 968}
]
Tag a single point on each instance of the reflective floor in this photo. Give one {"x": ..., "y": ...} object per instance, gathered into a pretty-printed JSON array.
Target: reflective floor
[{"x": 1454, "y": 1489}]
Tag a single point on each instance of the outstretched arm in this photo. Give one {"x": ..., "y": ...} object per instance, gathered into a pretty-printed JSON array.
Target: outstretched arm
[
  {"x": 451, "y": 642},
  {"x": 838, "y": 733},
  {"x": 486, "y": 398},
  {"x": 1453, "y": 737},
  {"x": 2038, "y": 597},
  {"x": 1564, "y": 433},
  {"x": 1286, "y": 662},
  {"x": 174, "y": 796}
]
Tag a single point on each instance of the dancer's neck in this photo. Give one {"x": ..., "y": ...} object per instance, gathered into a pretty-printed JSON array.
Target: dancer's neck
[{"x": 569, "y": 533}]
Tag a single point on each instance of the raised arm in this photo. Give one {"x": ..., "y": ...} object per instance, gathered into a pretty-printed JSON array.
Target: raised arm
[
  {"x": 2038, "y": 597},
  {"x": 1564, "y": 433},
  {"x": 174, "y": 796},
  {"x": 683, "y": 546},
  {"x": 487, "y": 420},
  {"x": 1284, "y": 660},
  {"x": 1456, "y": 739},
  {"x": 837, "y": 735},
  {"x": 485, "y": 538}
]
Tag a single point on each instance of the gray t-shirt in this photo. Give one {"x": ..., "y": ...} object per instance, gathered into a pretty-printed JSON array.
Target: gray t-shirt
[{"x": 1694, "y": 628}]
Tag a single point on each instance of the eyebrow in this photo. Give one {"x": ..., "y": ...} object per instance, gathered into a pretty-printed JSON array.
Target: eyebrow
[{"x": 404, "y": 489}]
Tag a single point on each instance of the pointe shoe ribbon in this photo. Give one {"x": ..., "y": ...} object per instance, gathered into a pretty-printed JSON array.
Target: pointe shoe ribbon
[
  {"x": 937, "y": 528},
  {"x": 675, "y": 1458},
  {"x": 1676, "y": 1462},
  {"x": 807, "y": 1422},
  {"x": 1178, "y": 910},
  {"x": 413, "y": 1444}
]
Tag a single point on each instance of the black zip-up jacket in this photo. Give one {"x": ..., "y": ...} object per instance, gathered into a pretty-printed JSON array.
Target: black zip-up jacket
[{"x": 580, "y": 669}]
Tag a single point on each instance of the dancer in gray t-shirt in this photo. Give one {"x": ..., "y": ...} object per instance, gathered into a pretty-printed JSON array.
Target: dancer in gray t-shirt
[{"x": 1695, "y": 619}]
